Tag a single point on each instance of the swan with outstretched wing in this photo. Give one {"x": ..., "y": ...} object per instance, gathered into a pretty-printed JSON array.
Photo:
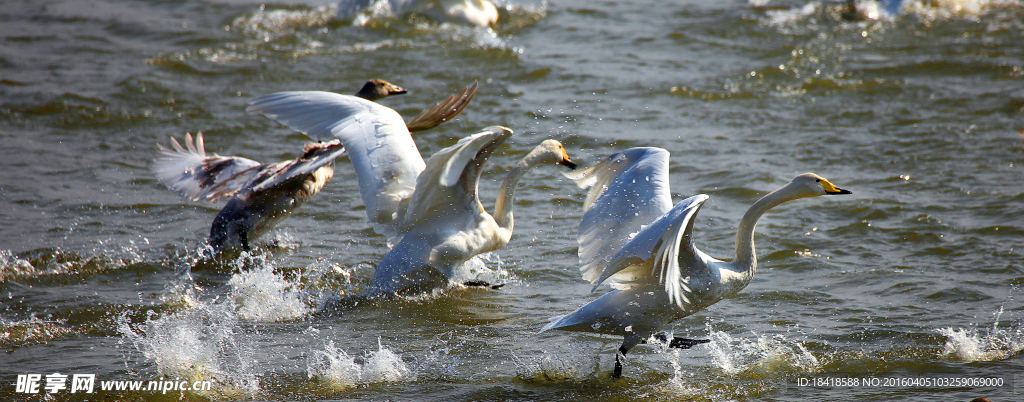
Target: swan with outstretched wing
[
  {"x": 429, "y": 211},
  {"x": 260, "y": 195},
  {"x": 445, "y": 224},
  {"x": 376, "y": 138},
  {"x": 632, "y": 238}
]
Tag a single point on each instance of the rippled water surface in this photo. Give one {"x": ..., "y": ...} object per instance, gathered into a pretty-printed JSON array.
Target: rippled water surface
[{"x": 916, "y": 275}]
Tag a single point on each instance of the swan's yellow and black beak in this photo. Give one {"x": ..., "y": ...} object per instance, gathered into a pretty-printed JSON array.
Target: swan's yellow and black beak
[
  {"x": 566, "y": 161},
  {"x": 831, "y": 189}
]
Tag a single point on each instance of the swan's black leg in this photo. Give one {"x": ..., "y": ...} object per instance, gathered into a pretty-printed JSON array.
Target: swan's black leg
[
  {"x": 619, "y": 357},
  {"x": 243, "y": 237},
  {"x": 482, "y": 284},
  {"x": 684, "y": 343},
  {"x": 679, "y": 342}
]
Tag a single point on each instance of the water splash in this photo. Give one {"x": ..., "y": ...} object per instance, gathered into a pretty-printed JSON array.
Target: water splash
[
  {"x": 12, "y": 267},
  {"x": 29, "y": 331},
  {"x": 204, "y": 338},
  {"x": 271, "y": 24},
  {"x": 334, "y": 368},
  {"x": 108, "y": 255},
  {"x": 972, "y": 344},
  {"x": 339, "y": 370},
  {"x": 262, "y": 295},
  {"x": 486, "y": 267},
  {"x": 764, "y": 355},
  {"x": 207, "y": 343},
  {"x": 886, "y": 10},
  {"x": 577, "y": 363}
]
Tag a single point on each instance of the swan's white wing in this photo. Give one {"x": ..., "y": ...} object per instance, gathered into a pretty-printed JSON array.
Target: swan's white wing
[
  {"x": 382, "y": 152},
  {"x": 443, "y": 111},
  {"x": 452, "y": 174},
  {"x": 663, "y": 244},
  {"x": 629, "y": 189},
  {"x": 195, "y": 175}
]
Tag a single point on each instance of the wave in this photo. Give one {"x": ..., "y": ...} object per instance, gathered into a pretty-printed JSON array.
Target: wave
[
  {"x": 973, "y": 344},
  {"x": 208, "y": 343},
  {"x": 338, "y": 370}
]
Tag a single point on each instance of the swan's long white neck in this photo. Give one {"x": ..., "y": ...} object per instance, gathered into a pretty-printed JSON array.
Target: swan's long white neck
[
  {"x": 746, "y": 259},
  {"x": 503, "y": 205}
]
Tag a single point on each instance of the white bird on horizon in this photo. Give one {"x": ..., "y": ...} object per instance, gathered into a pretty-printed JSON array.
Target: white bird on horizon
[
  {"x": 430, "y": 212},
  {"x": 633, "y": 238}
]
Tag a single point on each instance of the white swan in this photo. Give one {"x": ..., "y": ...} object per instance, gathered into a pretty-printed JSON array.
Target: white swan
[
  {"x": 445, "y": 224},
  {"x": 481, "y": 13},
  {"x": 261, "y": 196},
  {"x": 429, "y": 213},
  {"x": 376, "y": 138},
  {"x": 658, "y": 275}
]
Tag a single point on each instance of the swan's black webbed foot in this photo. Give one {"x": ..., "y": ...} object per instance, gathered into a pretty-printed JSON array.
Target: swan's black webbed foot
[
  {"x": 482, "y": 284},
  {"x": 679, "y": 342},
  {"x": 620, "y": 356},
  {"x": 684, "y": 343}
]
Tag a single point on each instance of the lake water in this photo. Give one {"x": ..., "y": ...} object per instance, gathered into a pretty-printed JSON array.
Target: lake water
[{"x": 915, "y": 277}]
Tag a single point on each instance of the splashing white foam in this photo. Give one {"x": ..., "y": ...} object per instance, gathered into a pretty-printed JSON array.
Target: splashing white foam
[
  {"x": 276, "y": 22},
  {"x": 262, "y": 295},
  {"x": 11, "y": 266},
  {"x": 334, "y": 368},
  {"x": 486, "y": 267},
  {"x": 971, "y": 345},
  {"x": 384, "y": 366},
  {"x": 31, "y": 330},
  {"x": 339, "y": 370},
  {"x": 765, "y": 354},
  {"x": 202, "y": 344}
]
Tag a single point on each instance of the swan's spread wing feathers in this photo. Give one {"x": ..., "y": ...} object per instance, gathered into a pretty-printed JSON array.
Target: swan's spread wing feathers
[
  {"x": 662, "y": 243},
  {"x": 444, "y": 110},
  {"x": 677, "y": 245},
  {"x": 382, "y": 152},
  {"x": 315, "y": 156},
  {"x": 197, "y": 176},
  {"x": 451, "y": 175},
  {"x": 627, "y": 191}
]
